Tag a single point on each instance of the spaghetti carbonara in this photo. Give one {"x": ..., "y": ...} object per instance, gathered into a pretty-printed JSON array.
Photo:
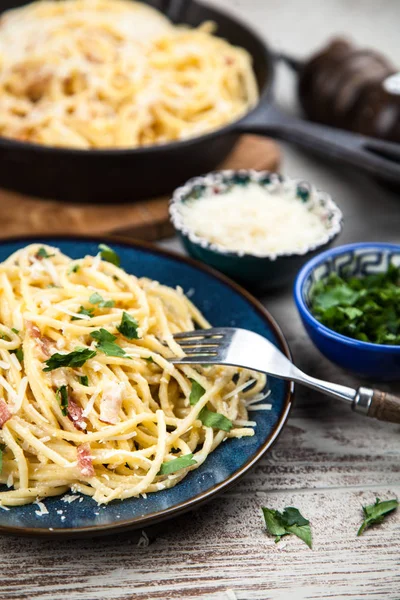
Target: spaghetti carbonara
[
  {"x": 88, "y": 399},
  {"x": 115, "y": 73}
]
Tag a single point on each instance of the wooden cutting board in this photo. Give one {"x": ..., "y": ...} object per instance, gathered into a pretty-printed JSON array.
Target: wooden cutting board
[{"x": 146, "y": 220}]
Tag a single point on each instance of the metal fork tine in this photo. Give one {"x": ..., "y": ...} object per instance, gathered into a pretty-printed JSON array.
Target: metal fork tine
[
  {"x": 207, "y": 343},
  {"x": 195, "y": 360},
  {"x": 201, "y": 333},
  {"x": 200, "y": 351}
]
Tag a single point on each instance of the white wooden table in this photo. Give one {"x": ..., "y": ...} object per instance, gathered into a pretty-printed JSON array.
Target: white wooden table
[{"x": 328, "y": 461}]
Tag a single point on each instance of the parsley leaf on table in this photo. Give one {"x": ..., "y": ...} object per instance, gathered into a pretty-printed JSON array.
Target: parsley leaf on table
[
  {"x": 375, "y": 513},
  {"x": 176, "y": 464},
  {"x": 365, "y": 308},
  {"x": 196, "y": 392},
  {"x": 109, "y": 255},
  {"x": 77, "y": 358},
  {"x": 128, "y": 327},
  {"x": 287, "y": 522}
]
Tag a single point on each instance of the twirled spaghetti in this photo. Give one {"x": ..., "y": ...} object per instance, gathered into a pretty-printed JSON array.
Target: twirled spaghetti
[
  {"x": 88, "y": 398},
  {"x": 115, "y": 73}
]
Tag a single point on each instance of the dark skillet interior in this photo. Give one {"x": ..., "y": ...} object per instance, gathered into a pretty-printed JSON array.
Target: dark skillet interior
[{"x": 127, "y": 175}]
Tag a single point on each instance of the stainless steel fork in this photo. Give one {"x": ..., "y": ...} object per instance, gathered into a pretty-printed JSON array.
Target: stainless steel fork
[{"x": 242, "y": 348}]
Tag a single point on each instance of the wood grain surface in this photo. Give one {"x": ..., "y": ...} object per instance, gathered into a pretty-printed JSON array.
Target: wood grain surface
[{"x": 146, "y": 220}]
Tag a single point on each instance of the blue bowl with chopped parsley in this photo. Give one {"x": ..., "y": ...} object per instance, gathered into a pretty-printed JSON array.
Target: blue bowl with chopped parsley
[{"x": 349, "y": 301}]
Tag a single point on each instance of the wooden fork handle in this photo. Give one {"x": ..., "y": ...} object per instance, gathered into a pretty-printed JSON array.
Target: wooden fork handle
[{"x": 385, "y": 407}]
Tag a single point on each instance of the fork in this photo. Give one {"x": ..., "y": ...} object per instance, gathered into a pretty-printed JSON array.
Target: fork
[{"x": 242, "y": 348}]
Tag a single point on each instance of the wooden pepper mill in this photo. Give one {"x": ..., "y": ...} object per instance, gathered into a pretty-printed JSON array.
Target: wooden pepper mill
[{"x": 352, "y": 88}]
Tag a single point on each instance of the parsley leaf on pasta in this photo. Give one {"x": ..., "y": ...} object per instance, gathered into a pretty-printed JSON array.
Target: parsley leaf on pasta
[
  {"x": 42, "y": 253},
  {"x": 73, "y": 269},
  {"x": 85, "y": 312},
  {"x": 109, "y": 255},
  {"x": 215, "y": 420},
  {"x": 77, "y": 358},
  {"x": 84, "y": 380},
  {"x": 176, "y": 464},
  {"x": 19, "y": 353},
  {"x": 62, "y": 397},
  {"x": 128, "y": 327},
  {"x": 105, "y": 343},
  {"x": 196, "y": 392},
  {"x": 96, "y": 298}
]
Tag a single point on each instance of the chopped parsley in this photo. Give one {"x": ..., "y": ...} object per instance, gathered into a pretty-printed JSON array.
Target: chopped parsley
[
  {"x": 77, "y": 358},
  {"x": 287, "y": 522},
  {"x": 42, "y": 253},
  {"x": 128, "y": 327},
  {"x": 84, "y": 380},
  {"x": 15, "y": 330},
  {"x": 105, "y": 343},
  {"x": 176, "y": 464},
  {"x": 196, "y": 392},
  {"x": 73, "y": 269},
  {"x": 19, "y": 353},
  {"x": 96, "y": 298},
  {"x": 85, "y": 312},
  {"x": 149, "y": 359},
  {"x": 214, "y": 420},
  {"x": 109, "y": 255},
  {"x": 365, "y": 308},
  {"x": 375, "y": 513},
  {"x": 62, "y": 397}
]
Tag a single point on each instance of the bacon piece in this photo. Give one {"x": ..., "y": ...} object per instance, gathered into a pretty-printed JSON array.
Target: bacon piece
[
  {"x": 111, "y": 403},
  {"x": 46, "y": 344},
  {"x": 85, "y": 463},
  {"x": 75, "y": 413},
  {"x": 5, "y": 414}
]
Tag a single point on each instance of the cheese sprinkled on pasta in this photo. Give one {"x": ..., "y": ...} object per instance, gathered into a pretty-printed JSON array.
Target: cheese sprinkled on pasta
[
  {"x": 115, "y": 73},
  {"x": 88, "y": 399}
]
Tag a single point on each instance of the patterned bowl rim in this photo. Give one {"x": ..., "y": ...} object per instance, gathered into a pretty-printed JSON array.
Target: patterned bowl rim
[
  {"x": 321, "y": 198},
  {"x": 304, "y": 310}
]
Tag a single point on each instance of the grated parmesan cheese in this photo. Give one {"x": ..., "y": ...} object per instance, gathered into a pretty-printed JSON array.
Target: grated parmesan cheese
[
  {"x": 254, "y": 220},
  {"x": 69, "y": 498},
  {"x": 42, "y": 509},
  {"x": 15, "y": 362},
  {"x": 21, "y": 394}
]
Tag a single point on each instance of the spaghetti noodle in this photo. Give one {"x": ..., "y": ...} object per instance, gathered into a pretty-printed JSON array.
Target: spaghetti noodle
[
  {"x": 114, "y": 73},
  {"x": 88, "y": 399}
]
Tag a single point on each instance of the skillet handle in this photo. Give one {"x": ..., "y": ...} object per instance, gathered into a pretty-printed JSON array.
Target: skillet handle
[{"x": 378, "y": 158}]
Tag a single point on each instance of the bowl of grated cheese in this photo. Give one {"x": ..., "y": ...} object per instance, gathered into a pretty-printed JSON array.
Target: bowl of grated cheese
[{"x": 257, "y": 227}]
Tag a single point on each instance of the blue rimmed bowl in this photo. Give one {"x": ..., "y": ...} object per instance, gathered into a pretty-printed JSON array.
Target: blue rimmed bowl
[
  {"x": 256, "y": 272},
  {"x": 373, "y": 361}
]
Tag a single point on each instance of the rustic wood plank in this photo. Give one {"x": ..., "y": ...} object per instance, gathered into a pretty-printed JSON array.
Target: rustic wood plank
[{"x": 223, "y": 546}]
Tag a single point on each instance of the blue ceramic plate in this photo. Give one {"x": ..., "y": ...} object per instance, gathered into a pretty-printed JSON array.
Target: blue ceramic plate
[{"x": 224, "y": 304}]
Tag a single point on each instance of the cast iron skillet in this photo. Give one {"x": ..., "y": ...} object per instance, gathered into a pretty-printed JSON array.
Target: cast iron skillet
[{"x": 126, "y": 175}]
